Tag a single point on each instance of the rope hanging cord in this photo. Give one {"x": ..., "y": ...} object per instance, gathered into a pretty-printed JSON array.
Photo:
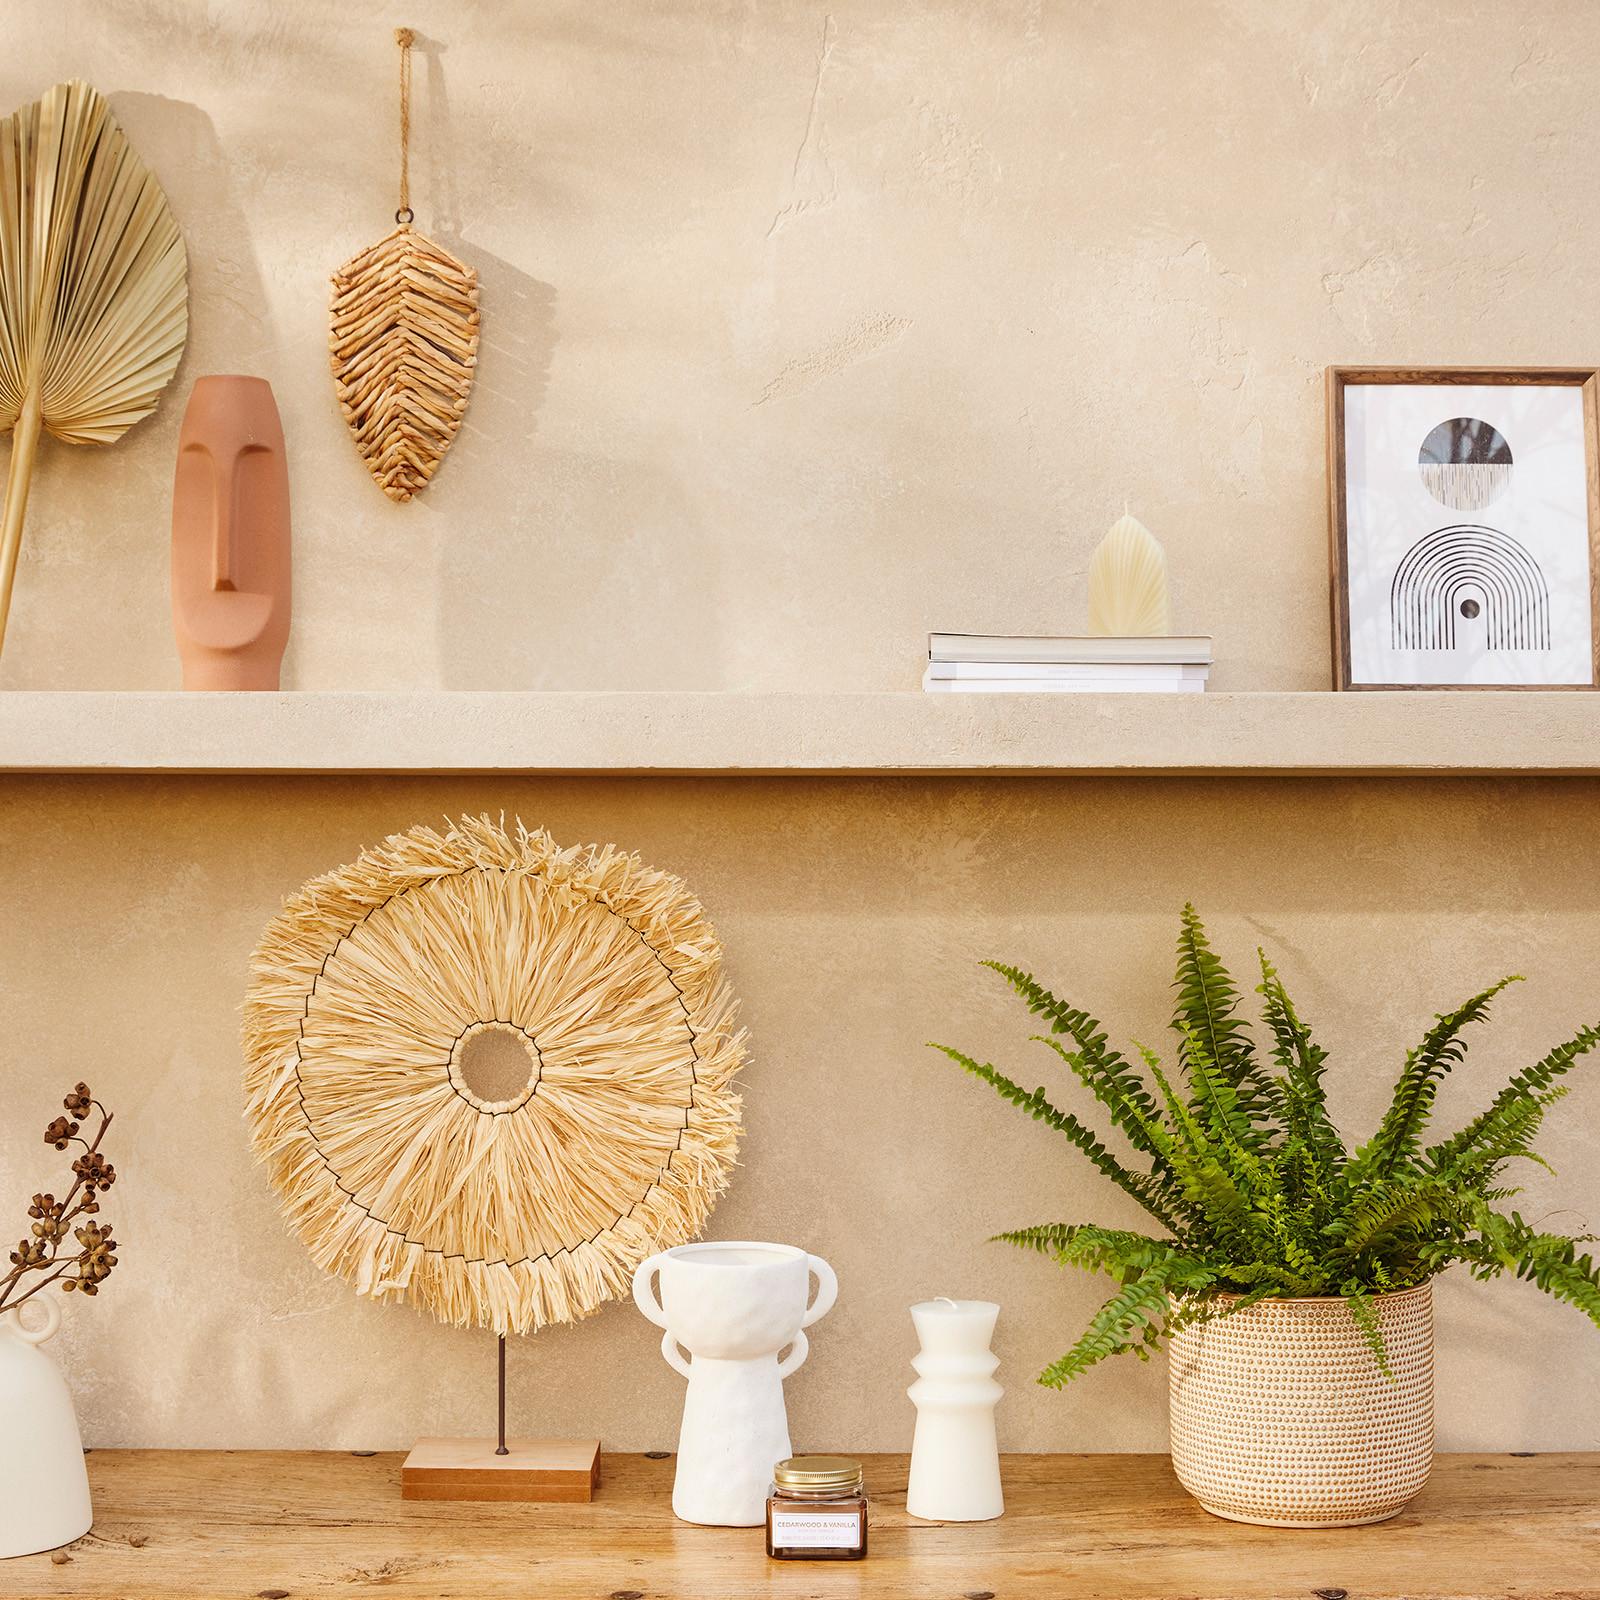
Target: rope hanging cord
[{"x": 405, "y": 38}]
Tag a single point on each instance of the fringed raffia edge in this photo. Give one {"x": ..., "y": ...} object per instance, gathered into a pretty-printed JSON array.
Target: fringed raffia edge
[{"x": 341, "y": 1236}]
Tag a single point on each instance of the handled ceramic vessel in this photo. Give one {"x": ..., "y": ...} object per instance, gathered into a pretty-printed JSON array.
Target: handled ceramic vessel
[
  {"x": 44, "y": 1489},
  {"x": 735, "y": 1308},
  {"x": 1280, "y": 1414}
]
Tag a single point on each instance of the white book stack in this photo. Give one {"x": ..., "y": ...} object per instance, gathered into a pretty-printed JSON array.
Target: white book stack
[{"x": 980, "y": 663}]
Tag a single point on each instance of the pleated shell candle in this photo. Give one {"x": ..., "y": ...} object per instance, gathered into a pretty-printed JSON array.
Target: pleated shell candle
[{"x": 1128, "y": 583}]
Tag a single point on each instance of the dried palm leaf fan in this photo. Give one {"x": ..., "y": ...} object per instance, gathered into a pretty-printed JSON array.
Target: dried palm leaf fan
[
  {"x": 93, "y": 289},
  {"x": 404, "y": 338},
  {"x": 489, "y": 1076}
]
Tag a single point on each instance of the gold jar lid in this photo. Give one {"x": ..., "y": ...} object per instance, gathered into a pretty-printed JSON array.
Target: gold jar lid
[{"x": 817, "y": 1472}]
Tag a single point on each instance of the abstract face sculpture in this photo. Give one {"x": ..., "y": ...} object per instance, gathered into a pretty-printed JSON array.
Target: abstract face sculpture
[{"x": 230, "y": 537}]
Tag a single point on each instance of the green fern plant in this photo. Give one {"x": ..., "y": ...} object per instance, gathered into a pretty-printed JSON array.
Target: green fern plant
[{"x": 1257, "y": 1193}]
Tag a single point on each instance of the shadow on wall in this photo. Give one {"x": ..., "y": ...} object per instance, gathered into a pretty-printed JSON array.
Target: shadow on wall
[{"x": 594, "y": 550}]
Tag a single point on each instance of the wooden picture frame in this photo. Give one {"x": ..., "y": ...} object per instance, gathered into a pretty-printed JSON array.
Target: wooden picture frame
[{"x": 1339, "y": 380}]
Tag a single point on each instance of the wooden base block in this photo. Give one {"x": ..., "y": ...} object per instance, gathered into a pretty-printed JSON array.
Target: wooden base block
[{"x": 468, "y": 1469}]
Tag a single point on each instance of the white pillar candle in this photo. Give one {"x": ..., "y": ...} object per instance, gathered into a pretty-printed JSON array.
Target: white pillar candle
[{"x": 955, "y": 1460}]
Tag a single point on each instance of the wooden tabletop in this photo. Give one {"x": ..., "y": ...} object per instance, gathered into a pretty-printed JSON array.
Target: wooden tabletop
[{"x": 293, "y": 1526}]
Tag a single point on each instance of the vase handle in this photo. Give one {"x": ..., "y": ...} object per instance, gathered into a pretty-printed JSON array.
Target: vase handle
[
  {"x": 52, "y": 1321},
  {"x": 644, "y": 1295},
  {"x": 827, "y": 1291},
  {"x": 669, "y": 1354},
  {"x": 796, "y": 1356}
]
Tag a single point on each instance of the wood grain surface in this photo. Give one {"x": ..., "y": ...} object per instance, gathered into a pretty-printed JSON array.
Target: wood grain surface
[
  {"x": 534, "y": 1470},
  {"x": 292, "y": 1526}
]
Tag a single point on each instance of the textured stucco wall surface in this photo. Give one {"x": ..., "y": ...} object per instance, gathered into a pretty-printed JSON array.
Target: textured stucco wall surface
[
  {"x": 810, "y": 328},
  {"x": 855, "y": 912},
  {"x": 806, "y": 329}
]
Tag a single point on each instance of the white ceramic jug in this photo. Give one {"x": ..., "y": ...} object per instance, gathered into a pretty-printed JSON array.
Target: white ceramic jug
[
  {"x": 734, "y": 1307},
  {"x": 44, "y": 1489}
]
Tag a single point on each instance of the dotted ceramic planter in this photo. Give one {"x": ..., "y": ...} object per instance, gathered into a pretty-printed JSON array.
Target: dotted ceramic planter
[{"x": 1281, "y": 1416}]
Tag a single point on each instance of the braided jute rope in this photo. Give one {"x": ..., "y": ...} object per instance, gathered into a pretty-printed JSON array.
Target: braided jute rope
[{"x": 405, "y": 38}]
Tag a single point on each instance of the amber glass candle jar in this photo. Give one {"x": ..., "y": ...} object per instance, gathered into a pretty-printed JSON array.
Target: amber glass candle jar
[{"x": 817, "y": 1510}]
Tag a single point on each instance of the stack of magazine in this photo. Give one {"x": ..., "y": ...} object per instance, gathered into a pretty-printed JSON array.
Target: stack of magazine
[{"x": 985, "y": 663}]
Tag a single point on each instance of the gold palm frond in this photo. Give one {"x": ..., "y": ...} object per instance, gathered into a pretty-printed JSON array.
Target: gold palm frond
[
  {"x": 607, "y": 1124},
  {"x": 404, "y": 338},
  {"x": 94, "y": 305}
]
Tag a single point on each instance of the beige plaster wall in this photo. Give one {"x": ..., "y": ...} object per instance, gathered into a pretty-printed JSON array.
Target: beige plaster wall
[
  {"x": 854, "y": 912},
  {"x": 810, "y": 327},
  {"x": 806, "y": 330}
]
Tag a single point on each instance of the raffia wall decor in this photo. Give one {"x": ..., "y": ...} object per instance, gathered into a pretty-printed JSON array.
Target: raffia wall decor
[
  {"x": 403, "y": 334},
  {"x": 488, "y": 1075},
  {"x": 94, "y": 289}
]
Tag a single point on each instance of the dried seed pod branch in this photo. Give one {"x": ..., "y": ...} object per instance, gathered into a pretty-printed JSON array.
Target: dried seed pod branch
[{"x": 43, "y": 1251}]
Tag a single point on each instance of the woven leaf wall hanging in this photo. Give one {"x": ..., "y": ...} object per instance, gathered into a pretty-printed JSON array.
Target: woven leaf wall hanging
[
  {"x": 490, "y": 1076},
  {"x": 403, "y": 334},
  {"x": 94, "y": 292}
]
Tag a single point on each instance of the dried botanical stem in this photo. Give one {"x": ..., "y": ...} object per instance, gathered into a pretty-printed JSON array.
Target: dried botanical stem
[
  {"x": 70, "y": 1212},
  {"x": 23, "y": 1299},
  {"x": 19, "y": 476},
  {"x": 93, "y": 289}
]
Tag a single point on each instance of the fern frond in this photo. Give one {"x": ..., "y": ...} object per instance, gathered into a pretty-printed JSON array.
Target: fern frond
[
  {"x": 1105, "y": 1072},
  {"x": 1197, "y": 1162},
  {"x": 1366, "y": 1320},
  {"x": 1205, "y": 1017},
  {"x": 1038, "y": 1106},
  {"x": 1147, "y": 1134},
  {"x": 1133, "y": 1319},
  {"x": 1389, "y": 1209},
  {"x": 1305, "y": 1108},
  {"x": 1550, "y": 1260},
  {"x": 1534, "y": 1082},
  {"x": 1214, "y": 1099},
  {"x": 1398, "y": 1138},
  {"x": 1116, "y": 1251}
]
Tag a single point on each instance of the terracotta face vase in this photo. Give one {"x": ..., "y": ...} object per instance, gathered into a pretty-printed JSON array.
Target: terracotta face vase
[{"x": 230, "y": 537}]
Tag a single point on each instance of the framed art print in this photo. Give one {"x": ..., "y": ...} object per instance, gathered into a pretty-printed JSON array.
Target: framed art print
[{"x": 1464, "y": 509}]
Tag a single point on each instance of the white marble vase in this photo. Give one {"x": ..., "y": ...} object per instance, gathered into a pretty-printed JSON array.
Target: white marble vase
[{"x": 735, "y": 1308}]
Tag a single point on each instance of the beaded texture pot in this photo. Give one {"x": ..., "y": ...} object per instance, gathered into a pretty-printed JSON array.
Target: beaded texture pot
[{"x": 1282, "y": 1416}]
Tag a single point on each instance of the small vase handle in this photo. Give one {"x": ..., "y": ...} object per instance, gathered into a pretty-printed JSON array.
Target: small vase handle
[
  {"x": 644, "y": 1294},
  {"x": 796, "y": 1356},
  {"x": 669, "y": 1354},
  {"x": 52, "y": 1321},
  {"x": 827, "y": 1292}
]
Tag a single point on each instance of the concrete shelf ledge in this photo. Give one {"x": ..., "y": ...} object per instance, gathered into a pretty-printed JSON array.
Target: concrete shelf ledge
[{"x": 776, "y": 734}]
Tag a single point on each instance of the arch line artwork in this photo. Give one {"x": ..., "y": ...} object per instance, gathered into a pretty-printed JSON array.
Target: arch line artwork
[{"x": 1462, "y": 570}]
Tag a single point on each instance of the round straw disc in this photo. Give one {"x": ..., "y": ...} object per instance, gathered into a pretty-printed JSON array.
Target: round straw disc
[{"x": 490, "y": 1076}]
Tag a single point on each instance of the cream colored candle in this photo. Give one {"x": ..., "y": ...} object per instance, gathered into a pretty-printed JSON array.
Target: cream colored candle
[
  {"x": 1128, "y": 583},
  {"x": 955, "y": 1458}
]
